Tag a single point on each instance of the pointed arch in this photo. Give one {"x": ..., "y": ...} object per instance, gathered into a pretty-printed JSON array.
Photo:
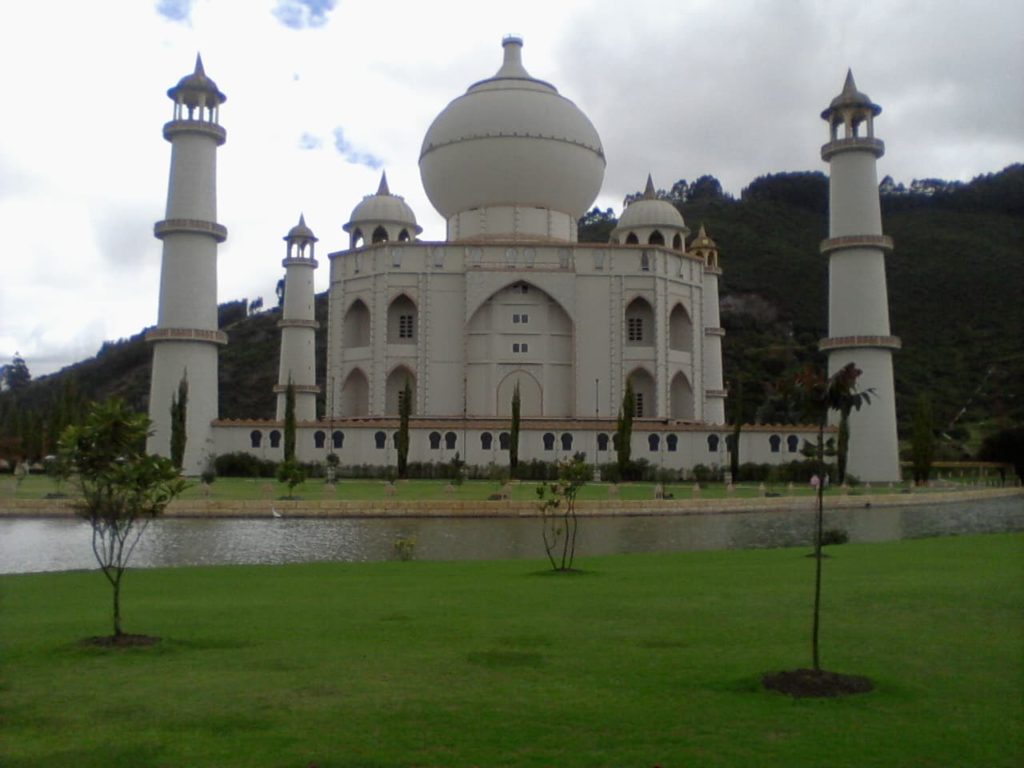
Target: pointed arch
[
  {"x": 380, "y": 235},
  {"x": 356, "y": 240},
  {"x": 681, "y": 397},
  {"x": 642, "y": 383},
  {"x": 531, "y": 395},
  {"x": 632, "y": 239},
  {"x": 403, "y": 236},
  {"x": 394, "y": 387},
  {"x": 677, "y": 242},
  {"x": 680, "y": 329},
  {"x": 656, "y": 238},
  {"x": 355, "y": 394},
  {"x": 639, "y": 323},
  {"x": 355, "y": 331},
  {"x": 402, "y": 320}
]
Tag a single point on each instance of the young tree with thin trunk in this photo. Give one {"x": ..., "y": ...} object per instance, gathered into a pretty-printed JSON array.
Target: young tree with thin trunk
[
  {"x": 179, "y": 415},
  {"x": 819, "y": 395},
  {"x": 513, "y": 443},
  {"x": 122, "y": 487},
  {"x": 404, "y": 411},
  {"x": 557, "y": 502}
]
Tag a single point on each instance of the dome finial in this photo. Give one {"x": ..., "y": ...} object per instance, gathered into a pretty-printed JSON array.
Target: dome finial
[
  {"x": 383, "y": 188},
  {"x": 199, "y": 64},
  {"x": 649, "y": 192}
]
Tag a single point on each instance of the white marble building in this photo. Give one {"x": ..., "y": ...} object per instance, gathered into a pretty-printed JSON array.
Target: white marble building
[{"x": 508, "y": 298}]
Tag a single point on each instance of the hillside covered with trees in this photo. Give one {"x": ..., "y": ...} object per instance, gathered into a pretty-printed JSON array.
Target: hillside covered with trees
[{"x": 955, "y": 287}]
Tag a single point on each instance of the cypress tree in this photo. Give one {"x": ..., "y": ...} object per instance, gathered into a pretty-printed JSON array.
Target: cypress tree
[
  {"x": 404, "y": 411},
  {"x": 513, "y": 444},
  {"x": 624, "y": 431},
  {"x": 289, "y": 421},
  {"x": 179, "y": 413}
]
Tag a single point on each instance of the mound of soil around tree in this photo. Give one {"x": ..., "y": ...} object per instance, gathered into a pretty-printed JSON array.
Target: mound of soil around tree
[
  {"x": 121, "y": 641},
  {"x": 809, "y": 683}
]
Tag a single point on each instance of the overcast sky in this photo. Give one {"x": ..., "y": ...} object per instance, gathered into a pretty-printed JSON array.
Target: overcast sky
[{"x": 324, "y": 94}]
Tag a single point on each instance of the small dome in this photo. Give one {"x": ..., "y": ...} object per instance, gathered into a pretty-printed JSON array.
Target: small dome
[
  {"x": 702, "y": 240},
  {"x": 650, "y": 211},
  {"x": 191, "y": 86},
  {"x": 381, "y": 208},
  {"x": 512, "y": 140},
  {"x": 851, "y": 98},
  {"x": 300, "y": 231}
]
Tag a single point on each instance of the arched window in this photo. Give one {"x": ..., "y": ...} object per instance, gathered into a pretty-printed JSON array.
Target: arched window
[
  {"x": 631, "y": 239},
  {"x": 680, "y": 329},
  {"x": 656, "y": 238},
  {"x": 602, "y": 441},
  {"x": 639, "y": 323},
  {"x": 435, "y": 441},
  {"x": 645, "y": 262},
  {"x": 357, "y": 238},
  {"x": 449, "y": 440},
  {"x": 402, "y": 321},
  {"x": 485, "y": 441},
  {"x": 713, "y": 443},
  {"x": 256, "y": 438},
  {"x": 337, "y": 438},
  {"x": 775, "y": 442},
  {"x": 653, "y": 442},
  {"x": 355, "y": 330},
  {"x": 275, "y": 439},
  {"x": 504, "y": 441},
  {"x": 403, "y": 236},
  {"x": 394, "y": 390},
  {"x": 672, "y": 442},
  {"x": 355, "y": 394},
  {"x": 380, "y": 235},
  {"x": 549, "y": 441},
  {"x": 566, "y": 441},
  {"x": 677, "y": 242},
  {"x": 380, "y": 440},
  {"x": 793, "y": 443},
  {"x": 319, "y": 438}
]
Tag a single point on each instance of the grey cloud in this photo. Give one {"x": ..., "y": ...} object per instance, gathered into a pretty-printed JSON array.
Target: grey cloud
[
  {"x": 353, "y": 154},
  {"x": 302, "y": 14},
  {"x": 175, "y": 10}
]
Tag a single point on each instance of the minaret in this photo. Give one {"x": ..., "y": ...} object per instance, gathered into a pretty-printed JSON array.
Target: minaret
[
  {"x": 858, "y": 316},
  {"x": 186, "y": 338},
  {"x": 298, "y": 325},
  {"x": 714, "y": 389}
]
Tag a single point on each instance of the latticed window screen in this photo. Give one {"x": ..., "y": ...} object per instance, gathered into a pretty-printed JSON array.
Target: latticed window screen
[
  {"x": 405, "y": 327},
  {"x": 635, "y": 329},
  {"x": 639, "y": 405}
]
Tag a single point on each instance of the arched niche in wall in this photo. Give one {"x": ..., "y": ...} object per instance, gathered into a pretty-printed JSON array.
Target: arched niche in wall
[
  {"x": 643, "y": 393},
  {"x": 394, "y": 388},
  {"x": 355, "y": 394},
  {"x": 680, "y": 329},
  {"x": 402, "y": 321},
  {"x": 681, "y": 397},
  {"x": 639, "y": 323},
  {"x": 355, "y": 331}
]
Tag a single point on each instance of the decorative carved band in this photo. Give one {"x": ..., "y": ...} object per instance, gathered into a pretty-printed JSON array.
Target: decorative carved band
[
  {"x": 716, "y": 392},
  {"x": 714, "y": 331},
  {"x": 299, "y": 388},
  {"x": 876, "y": 146},
  {"x": 197, "y": 226},
  {"x": 850, "y": 342},
  {"x": 298, "y": 262},
  {"x": 830, "y": 244},
  {"x": 201, "y": 127},
  {"x": 187, "y": 334},
  {"x": 297, "y": 323}
]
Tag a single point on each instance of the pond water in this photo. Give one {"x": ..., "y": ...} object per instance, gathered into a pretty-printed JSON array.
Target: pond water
[{"x": 57, "y": 544}]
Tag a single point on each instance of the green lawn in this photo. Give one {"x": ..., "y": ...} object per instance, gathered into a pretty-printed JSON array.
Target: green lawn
[{"x": 641, "y": 660}]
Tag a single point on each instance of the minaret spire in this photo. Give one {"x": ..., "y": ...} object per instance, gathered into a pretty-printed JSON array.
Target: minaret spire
[
  {"x": 649, "y": 192},
  {"x": 383, "y": 188}
]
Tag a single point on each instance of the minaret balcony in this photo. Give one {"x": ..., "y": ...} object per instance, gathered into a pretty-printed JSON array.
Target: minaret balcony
[
  {"x": 830, "y": 244},
  {"x": 196, "y": 226},
  {"x": 854, "y": 342},
  {"x": 187, "y": 334},
  {"x": 855, "y": 144},
  {"x": 202, "y": 127},
  {"x": 298, "y": 261},
  {"x": 298, "y": 389}
]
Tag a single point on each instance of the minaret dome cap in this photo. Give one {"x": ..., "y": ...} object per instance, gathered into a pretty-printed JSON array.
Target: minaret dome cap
[
  {"x": 191, "y": 86},
  {"x": 851, "y": 98},
  {"x": 300, "y": 231}
]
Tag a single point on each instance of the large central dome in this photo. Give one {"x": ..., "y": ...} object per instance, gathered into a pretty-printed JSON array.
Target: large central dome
[{"x": 512, "y": 142}]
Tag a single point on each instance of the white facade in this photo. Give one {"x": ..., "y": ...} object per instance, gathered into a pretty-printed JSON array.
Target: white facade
[{"x": 508, "y": 298}]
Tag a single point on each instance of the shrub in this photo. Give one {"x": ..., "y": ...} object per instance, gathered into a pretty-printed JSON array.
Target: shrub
[{"x": 240, "y": 464}]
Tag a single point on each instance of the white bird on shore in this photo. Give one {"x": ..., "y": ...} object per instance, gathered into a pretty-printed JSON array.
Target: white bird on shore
[{"x": 274, "y": 512}]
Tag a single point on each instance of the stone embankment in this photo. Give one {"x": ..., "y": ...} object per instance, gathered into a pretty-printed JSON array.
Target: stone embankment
[{"x": 312, "y": 508}]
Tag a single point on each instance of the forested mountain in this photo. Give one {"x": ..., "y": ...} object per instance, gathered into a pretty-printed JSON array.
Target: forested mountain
[{"x": 956, "y": 288}]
